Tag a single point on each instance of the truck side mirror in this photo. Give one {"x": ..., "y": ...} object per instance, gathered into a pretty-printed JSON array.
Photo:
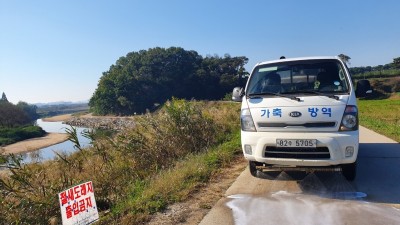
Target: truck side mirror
[
  {"x": 237, "y": 94},
  {"x": 363, "y": 88}
]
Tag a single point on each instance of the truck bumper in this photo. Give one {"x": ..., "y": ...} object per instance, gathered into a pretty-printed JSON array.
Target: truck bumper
[{"x": 339, "y": 144}]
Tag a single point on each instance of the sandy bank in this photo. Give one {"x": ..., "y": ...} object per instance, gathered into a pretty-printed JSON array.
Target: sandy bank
[
  {"x": 59, "y": 118},
  {"x": 35, "y": 143}
]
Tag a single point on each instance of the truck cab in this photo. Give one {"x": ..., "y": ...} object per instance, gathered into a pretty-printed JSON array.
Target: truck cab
[{"x": 299, "y": 113}]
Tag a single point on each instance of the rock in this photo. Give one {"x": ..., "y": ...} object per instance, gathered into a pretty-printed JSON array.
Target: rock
[{"x": 108, "y": 123}]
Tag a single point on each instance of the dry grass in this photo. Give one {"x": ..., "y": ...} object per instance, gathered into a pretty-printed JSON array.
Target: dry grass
[
  {"x": 385, "y": 88},
  {"x": 136, "y": 173}
]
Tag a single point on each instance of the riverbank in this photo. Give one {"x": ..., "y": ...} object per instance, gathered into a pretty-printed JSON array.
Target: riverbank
[
  {"x": 88, "y": 120},
  {"x": 34, "y": 144},
  {"x": 59, "y": 118}
]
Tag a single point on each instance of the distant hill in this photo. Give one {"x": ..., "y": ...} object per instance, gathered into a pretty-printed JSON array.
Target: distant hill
[
  {"x": 61, "y": 103},
  {"x": 58, "y": 108}
]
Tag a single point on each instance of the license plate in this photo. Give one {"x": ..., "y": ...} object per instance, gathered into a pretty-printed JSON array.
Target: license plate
[{"x": 296, "y": 143}]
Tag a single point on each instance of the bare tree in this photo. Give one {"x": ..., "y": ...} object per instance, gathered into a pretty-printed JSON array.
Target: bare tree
[{"x": 345, "y": 58}]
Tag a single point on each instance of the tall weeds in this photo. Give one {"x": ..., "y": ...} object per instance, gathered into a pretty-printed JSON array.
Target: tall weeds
[{"x": 118, "y": 166}]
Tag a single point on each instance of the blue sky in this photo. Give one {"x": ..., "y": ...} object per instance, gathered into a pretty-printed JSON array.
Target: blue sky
[{"x": 57, "y": 50}]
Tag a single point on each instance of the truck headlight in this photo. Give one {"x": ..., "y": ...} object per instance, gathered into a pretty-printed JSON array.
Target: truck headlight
[
  {"x": 349, "y": 119},
  {"x": 246, "y": 121}
]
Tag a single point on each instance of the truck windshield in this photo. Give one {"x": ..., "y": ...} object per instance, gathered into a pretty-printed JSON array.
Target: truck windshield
[{"x": 306, "y": 77}]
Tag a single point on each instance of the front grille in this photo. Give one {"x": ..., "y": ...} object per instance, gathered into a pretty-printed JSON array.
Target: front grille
[
  {"x": 297, "y": 153},
  {"x": 307, "y": 125}
]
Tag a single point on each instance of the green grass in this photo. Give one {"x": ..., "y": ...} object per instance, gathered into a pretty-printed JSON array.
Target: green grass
[
  {"x": 12, "y": 135},
  {"x": 377, "y": 74},
  {"x": 382, "y": 116}
]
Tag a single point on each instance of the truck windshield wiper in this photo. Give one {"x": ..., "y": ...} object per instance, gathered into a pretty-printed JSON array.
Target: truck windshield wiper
[
  {"x": 313, "y": 92},
  {"x": 274, "y": 94}
]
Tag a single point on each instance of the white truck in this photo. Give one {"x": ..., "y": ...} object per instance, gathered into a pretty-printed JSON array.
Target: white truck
[{"x": 300, "y": 113}]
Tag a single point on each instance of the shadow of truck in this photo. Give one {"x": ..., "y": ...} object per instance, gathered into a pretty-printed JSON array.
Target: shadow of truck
[{"x": 378, "y": 172}]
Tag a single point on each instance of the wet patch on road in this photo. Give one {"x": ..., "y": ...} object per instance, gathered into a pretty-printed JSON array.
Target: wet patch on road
[{"x": 319, "y": 199}]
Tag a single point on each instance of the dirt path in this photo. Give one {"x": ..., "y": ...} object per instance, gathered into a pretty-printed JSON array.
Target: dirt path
[{"x": 192, "y": 211}]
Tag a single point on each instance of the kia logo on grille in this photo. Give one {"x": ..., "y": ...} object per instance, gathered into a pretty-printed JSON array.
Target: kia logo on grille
[{"x": 295, "y": 114}]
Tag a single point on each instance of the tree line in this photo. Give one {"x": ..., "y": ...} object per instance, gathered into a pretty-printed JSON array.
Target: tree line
[
  {"x": 392, "y": 67},
  {"x": 145, "y": 79},
  {"x": 16, "y": 115},
  {"x": 16, "y": 121}
]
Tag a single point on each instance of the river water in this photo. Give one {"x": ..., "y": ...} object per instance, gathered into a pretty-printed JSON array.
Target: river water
[{"x": 48, "y": 153}]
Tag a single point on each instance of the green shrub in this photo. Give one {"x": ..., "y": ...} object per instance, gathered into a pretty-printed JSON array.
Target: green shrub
[
  {"x": 377, "y": 74},
  {"x": 12, "y": 135}
]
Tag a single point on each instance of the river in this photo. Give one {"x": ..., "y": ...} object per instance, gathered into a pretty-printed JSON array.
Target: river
[{"x": 48, "y": 153}]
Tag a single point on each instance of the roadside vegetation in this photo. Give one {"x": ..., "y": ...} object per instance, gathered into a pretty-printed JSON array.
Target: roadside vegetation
[
  {"x": 168, "y": 156},
  {"x": 381, "y": 110},
  {"x": 381, "y": 116},
  {"x": 384, "y": 88},
  {"x": 378, "y": 74}
]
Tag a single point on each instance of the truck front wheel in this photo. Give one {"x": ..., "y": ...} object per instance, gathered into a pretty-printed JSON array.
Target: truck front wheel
[
  {"x": 349, "y": 171},
  {"x": 252, "y": 168}
]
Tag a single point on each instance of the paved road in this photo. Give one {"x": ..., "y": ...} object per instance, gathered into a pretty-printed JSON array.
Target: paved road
[{"x": 320, "y": 198}]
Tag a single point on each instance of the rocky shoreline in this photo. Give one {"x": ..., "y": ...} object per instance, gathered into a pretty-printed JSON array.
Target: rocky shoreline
[{"x": 108, "y": 123}]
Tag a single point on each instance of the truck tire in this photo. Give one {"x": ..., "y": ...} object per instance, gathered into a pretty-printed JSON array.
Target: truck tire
[
  {"x": 252, "y": 168},
  {"x": 349, "y": 171}
]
